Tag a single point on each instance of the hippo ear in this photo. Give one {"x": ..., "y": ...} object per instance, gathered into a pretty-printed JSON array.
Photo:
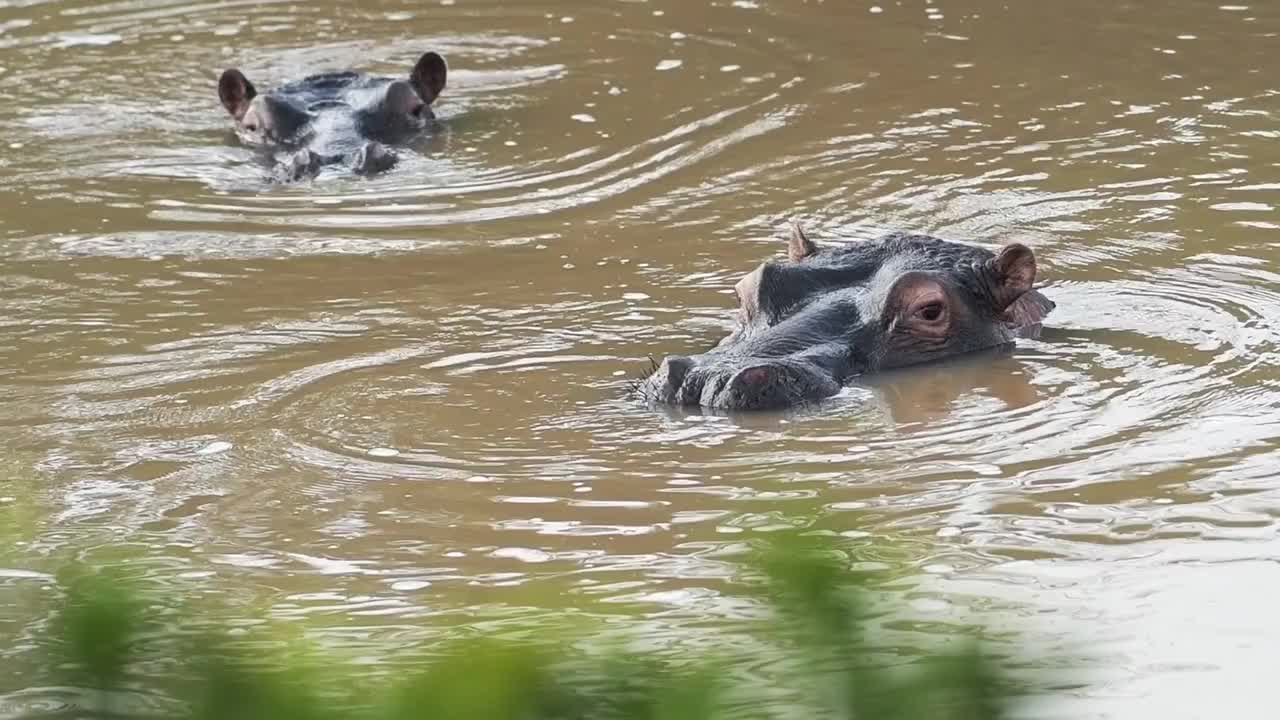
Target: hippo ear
[
  {"x": 236, "y": 92},
  {"x": 1013, "y": 272},
  {"x": 747, "y": 290},
  {"x": 428, "y": 76},
  {"x": 403, "y": 99},
  {"x": 799, "y": 246},
  {"x": 1027, "y": 312}
]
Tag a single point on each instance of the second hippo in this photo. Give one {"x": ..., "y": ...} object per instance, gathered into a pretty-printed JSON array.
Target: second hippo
[{"x": 333, "y": 118}]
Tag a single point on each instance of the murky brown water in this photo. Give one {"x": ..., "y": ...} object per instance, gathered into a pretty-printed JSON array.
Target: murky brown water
[{"x": 369, "y": 403}]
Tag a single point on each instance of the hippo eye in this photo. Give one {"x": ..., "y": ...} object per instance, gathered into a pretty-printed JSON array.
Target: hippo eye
[{"x": 931, "y": 312}]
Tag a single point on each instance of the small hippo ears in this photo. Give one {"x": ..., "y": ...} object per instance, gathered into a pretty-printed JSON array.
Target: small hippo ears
[
  {"x": 429, "y": 76},
  {"x": 402, "y": 98},
  {"x": 799, "y": 246},
  {"x": 1014, "y": 272},
  {"x": 236, "y": 92}
]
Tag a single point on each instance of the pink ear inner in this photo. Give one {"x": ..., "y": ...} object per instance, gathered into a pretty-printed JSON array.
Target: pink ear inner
[
  {"x": 235, "y": 91},
  {"x": 1015, "y": 269},
  {"x": 755, "y": 375},
  {"x": 429, "y": 76}
]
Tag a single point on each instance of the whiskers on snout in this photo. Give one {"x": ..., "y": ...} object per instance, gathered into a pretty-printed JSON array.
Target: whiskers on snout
[{"x": 638, "y": 386}]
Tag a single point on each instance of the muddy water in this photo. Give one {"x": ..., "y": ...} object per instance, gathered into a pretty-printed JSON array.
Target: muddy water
[{"x": 372, "y": 403}]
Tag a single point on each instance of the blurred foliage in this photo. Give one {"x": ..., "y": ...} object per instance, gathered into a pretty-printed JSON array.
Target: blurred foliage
[{"x": 819, "y": 628}]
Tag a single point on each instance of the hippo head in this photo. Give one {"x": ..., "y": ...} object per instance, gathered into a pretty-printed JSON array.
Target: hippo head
[
  {"x": 282, "y": 118},
  {"x": 808, "y": 324}
]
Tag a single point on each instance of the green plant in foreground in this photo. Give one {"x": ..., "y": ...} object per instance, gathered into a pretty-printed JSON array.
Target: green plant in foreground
[
  {"x": 99, "y": 625},
  {"x": 829, "y": 622},
  {"x": 820, "y": 629}
]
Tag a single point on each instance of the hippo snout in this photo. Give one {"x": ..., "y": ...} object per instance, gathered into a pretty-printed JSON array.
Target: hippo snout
[
  {"x": 671, "y": 382},
  {"x": 744, "y": 385},
  {"x": 676, "y": 368},
  {"x": 774, "y": 385}
]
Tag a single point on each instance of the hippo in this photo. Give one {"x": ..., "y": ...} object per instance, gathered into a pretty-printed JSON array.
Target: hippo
[
  {"x": 809, "y": 324},
  {"x": 334, "y": 118}
]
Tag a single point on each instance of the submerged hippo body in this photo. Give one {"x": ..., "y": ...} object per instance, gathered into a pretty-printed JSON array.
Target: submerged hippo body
[
  {"x": 334, "y": 118},
  {"x": 808, "y": 325}
]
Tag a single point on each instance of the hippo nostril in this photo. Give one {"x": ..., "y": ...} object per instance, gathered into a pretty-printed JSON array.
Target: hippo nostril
[
  {"x": 755, "y": 376},
  {"x": 678, "y": 368}
]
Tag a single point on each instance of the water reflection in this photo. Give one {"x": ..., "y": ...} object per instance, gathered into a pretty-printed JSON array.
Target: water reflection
[{"x": 929, "y": 394}]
